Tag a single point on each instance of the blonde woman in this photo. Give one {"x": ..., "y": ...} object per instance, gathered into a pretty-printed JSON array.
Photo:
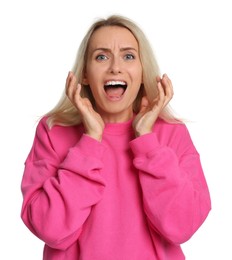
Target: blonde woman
[{"x": 112, "y": 174}]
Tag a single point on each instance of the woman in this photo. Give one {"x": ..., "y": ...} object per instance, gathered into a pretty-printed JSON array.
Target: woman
[{"x": 111, "y": 173}]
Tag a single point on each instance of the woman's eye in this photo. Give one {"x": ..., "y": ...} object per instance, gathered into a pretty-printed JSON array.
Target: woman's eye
[
  {"x": 101, "y": 57},
  {"x": 129, "y": 56}
]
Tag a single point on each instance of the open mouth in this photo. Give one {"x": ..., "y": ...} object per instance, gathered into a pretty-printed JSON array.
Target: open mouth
[{"x": 115, "y": 89}]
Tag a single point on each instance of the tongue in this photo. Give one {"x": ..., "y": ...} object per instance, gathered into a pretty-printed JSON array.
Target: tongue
[{"x": 114, "y": 92}]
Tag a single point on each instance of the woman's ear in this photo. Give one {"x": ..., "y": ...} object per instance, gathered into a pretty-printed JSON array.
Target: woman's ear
[{"x": 85, "y": 80}]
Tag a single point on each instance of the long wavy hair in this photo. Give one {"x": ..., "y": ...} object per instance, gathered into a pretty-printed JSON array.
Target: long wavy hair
[{"x": 66, "y": 114}]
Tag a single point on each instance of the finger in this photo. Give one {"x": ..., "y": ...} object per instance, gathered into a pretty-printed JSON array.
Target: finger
[
  {"x": 165, "y": 91},
  {"x": 71, "y": 86},
  {"x": 144, "y": 104},
  {"x": 78, "y": 89},
  {"x": 68, "y": 79},
  {"x": 76, "y": 94},
  {"x": 167, "y": 85},
  {"x": 158, "y": 101},
  {"x": 161, "y": 91},
  {"x": 81, "y": 103},
  {"x": 158, "y": 78}
]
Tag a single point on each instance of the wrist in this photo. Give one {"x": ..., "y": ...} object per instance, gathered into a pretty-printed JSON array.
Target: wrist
[
  {"x": 95, "y": 136},
  {"x": 144, "y": 132}
]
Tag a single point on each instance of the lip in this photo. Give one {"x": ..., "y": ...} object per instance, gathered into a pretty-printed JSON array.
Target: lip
[{"x": 115, "y": 80}]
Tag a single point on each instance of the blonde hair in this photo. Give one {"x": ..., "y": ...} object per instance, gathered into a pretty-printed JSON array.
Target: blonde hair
[{"x": 65, "y": 113}]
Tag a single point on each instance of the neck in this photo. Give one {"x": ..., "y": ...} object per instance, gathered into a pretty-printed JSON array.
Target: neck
[{"x": 117, "y": 117}]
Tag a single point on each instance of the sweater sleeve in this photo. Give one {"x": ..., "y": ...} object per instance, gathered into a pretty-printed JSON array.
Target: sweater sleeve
[
  {"x": 175, "y": 193},
  {"x": 58, "y": 195}
]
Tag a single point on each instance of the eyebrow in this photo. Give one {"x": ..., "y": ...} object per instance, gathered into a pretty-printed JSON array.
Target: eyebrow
[{"x": 109, "y": 50}]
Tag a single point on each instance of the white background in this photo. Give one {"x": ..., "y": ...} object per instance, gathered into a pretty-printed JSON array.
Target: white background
[{"x": 192, "y": 41}]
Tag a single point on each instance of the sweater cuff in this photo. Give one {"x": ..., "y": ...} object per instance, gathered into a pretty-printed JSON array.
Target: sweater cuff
[{"x": 144, "y": 144}]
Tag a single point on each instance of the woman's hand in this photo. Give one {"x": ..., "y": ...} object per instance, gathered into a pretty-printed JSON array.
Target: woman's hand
[
  {"x": 92, "y": 121},
  {"x": 148, "y": 114}
]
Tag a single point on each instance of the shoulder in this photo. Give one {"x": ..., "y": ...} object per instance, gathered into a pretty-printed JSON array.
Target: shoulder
[
  {"x": 166, "y": 128},
  {"x": 61, "y": 138},
  {"x": 56, "y": 130},
  {"x": 175, "y": 135}
]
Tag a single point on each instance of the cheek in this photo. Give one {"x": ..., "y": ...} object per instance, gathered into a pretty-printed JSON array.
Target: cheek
[
  {"x": 94, "y": 73},
  {"x": 140, "y": 72},
  {"x": 137, "y": 72}
]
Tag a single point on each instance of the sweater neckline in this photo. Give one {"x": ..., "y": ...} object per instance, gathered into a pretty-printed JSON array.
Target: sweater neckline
[{"x": 119, "y": 128}]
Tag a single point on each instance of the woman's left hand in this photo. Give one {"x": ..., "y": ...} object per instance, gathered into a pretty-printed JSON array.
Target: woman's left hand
[{"x": 149, "y": 112}]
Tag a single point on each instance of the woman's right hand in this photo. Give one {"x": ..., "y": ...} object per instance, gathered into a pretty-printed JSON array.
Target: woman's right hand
[{"x": 92, "y": 121}]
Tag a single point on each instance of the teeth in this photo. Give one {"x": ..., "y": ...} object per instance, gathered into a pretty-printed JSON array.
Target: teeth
[{"x": 112, "y": 83}]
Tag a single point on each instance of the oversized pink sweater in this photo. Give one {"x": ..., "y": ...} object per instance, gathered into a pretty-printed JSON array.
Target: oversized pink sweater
[{"x": 124, "y": 198}]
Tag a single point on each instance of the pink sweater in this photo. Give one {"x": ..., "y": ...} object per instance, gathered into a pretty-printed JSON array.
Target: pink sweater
[{"x": 124, "y": 198}]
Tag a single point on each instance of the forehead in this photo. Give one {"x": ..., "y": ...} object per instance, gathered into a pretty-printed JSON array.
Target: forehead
[{"x": 110, "y": 36}]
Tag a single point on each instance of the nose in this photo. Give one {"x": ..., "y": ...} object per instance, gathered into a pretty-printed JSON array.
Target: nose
[{"x": 115, "y": 66}]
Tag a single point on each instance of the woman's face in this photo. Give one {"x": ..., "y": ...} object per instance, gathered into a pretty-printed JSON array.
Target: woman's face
[{"x": 113, "y": 72}]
